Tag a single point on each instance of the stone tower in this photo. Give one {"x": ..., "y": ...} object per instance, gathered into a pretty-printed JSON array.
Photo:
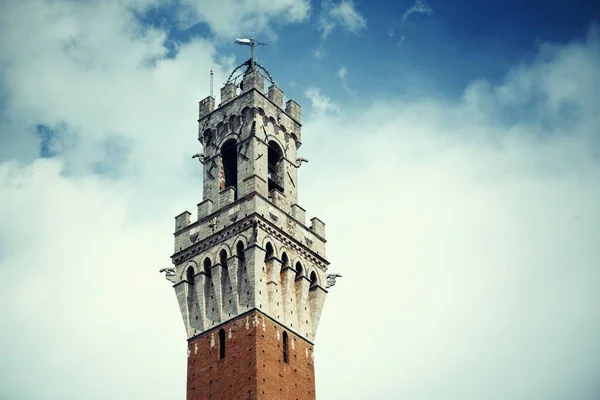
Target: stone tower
[{"x": 249, "y": 273}]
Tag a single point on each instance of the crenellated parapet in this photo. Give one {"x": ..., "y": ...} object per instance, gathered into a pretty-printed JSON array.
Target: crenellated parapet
[{"x": 250, "y": 265}]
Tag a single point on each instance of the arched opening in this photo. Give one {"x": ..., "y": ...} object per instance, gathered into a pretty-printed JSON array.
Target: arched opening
[
  {"x": 190, "y": 275},
  {"x": 286, "y": 358},
  {"x": 207, "y": 137},
  {"x": 191, "y": 295},
  {"x": 239, "y": 251},
  {"x": 299, "y": 271},
  {"x": 313, "y": 279},
  {"x": 284, "y": 260},
  {"x": 223, "y": 258},
  {"x": 269, "y": 252},
  {"x": 229, "y": 159},
  {"x": 207, "y": 265},
  {"x": 275, "y": 161},
  {"x": 222, "y": 343}
]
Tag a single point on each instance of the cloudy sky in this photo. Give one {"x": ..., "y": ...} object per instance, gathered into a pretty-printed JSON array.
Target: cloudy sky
[{"x": 454, "y": 154}]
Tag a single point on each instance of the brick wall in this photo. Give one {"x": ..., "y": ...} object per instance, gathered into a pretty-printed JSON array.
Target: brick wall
[{"x": 253, "y": 367}]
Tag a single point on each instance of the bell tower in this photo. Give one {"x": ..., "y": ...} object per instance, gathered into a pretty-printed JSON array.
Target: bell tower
[{"x": 250, "y": 273}]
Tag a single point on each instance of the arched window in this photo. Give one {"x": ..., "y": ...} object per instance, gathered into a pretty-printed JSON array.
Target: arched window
[
  {"x": 190, "y": 275},
  {"x": 275, "y": 161},
  {"x": 299, "y": 271},
  {"x": 284, "y": 260},
  {"x": 313, "y": 279},
  {"x": 207, "y": 266},
  {"x": 223, "y": 258},
  {"x": 222, "y": 343},
  {"x": 229, "y": 158},
  {"x": 239, "y": 249},
  {"x": 269, "y": 252},
  {"x": 286, "y": 358}
]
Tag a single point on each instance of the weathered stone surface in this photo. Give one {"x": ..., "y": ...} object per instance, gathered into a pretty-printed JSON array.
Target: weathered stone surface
[{"x": 249, "y": 264}]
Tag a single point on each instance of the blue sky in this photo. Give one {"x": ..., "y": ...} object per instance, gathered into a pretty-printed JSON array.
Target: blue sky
[
  {"x": 454, "y": 156},
  {"x": 469, "y": 39}
]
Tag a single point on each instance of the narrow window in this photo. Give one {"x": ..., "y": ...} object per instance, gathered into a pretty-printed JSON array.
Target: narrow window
[
  {"x": 223, "y": 258},
  {"x": 313, "y": 279},
  {"x": 229, "y": 156},
  {"x": 207, "y": 266},
  {"x": 269, "y": 251},
  {"x": 190, "y": 275},
  {"x": 299, "y": 271},
  {"x": 275, "y": 161},
  {"x": 285, "y": 348},
  {"x": 284, "y": 261},
  {"x": 191, "y": 295},
  {"x": 239, "y": 248},
  {"x": 222, "y": 343}
]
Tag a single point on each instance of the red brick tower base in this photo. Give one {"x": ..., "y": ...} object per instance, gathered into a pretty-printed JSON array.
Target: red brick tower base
[{"x": 251, "y": 357}]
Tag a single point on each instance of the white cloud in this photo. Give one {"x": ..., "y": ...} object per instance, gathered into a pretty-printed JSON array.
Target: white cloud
[
  {"x": 319, "y": 53},
  {"x": 342, "y": 14},
  {"x": 237, "y": 18},
  {"x": 342, "y": 72},
  {"x": 420, "y": 6},
  {"x": 319, "y": 101},
  {"x": 466, "y": 231},
  {"x": 472, "y": 247}
]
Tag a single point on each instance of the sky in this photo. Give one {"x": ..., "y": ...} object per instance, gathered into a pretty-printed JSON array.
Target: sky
[{"x": 454, "y": 155}]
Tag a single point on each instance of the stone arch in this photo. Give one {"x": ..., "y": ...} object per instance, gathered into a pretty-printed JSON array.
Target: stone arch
[
  {"x": 227, "y": 138},
  {"x": 269, "y": 251},
  {"x": 314, "y": 279},
  {"x": 261, "y": 111},
  {"x": 270, "y": 240},
  {"x": 220, "y": 128},
  {"x": 190, "y": 263},
  {"x": 224, "y": 247},
  {"x": 206, "y": 266},
  {"x": 277, "y": 140},
  {"x": 285, "y": 260},
  {"x": 246, "y": 112},
  {"x": 207, "y": 136},
  {"x": 275, "y": 165},
  {"x": 299, "y": 269},
  {"x": 223, "y": 256},
  {"x": 229, "y": 163},
  {"x": 189, "y": 274},
  {"x": 240, "y": 238},
  {"x": 240, "y": 250},
  {"x": 296, "y": 140}
]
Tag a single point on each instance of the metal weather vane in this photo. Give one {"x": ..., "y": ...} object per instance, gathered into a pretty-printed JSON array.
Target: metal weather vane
[{"x": 251, "y": 63}]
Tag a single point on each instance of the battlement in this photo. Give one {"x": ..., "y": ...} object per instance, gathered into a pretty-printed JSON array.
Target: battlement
[
  {"x": 253, "y": 80},
  {"x": 228, "y": 92},
  {"x": 275, "y": 95},
  {"x": 293, "y": 109},
  {"x": 206, "y": 106},
  {"x": 209, "y": 221}
]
